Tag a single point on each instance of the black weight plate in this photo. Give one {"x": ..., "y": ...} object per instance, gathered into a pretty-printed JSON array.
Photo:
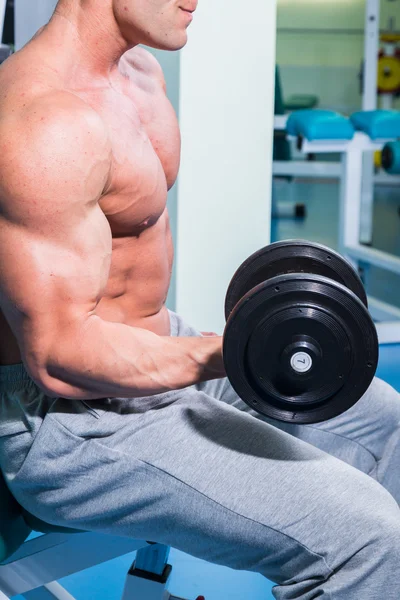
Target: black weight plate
[
  {"x": 274, "y": 316},
  {"x": 293, "y": 256}
]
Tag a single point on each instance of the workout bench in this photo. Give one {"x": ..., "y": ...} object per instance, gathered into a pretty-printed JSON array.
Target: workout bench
[
  {"x": 31, "y": 567},
  {"x": 324, "y": 132}
]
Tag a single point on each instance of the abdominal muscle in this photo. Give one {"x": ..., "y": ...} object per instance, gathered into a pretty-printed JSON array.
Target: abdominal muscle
[{"x": 139, "y": 280}]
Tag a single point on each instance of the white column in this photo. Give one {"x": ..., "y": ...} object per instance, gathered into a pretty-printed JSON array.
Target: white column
[
  {"x": 30, "y": 15},
  {"x": 226, "y": 118},
  {"x": 370, "y": 102},
  {"x": 371, "y": 49},
  {"x": 350, "y": 200}
]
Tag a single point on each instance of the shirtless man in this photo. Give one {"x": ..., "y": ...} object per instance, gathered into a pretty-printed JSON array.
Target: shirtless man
[{"x": 115, "y": 415}]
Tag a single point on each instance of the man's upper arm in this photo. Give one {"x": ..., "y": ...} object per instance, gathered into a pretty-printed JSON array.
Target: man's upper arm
[{"x": 55, "y": 242}]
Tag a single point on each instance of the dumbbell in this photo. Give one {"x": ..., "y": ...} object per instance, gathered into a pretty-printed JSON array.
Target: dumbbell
[
  {"x": 391, "y": 158},
  {"x": 299, "y": 344}
]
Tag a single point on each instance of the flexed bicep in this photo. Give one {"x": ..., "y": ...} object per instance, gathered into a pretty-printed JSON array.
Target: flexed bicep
[{"x": 55, "y": 242}]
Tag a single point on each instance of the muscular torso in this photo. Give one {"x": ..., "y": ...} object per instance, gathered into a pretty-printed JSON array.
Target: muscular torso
[{"x": 145, "y": 144}]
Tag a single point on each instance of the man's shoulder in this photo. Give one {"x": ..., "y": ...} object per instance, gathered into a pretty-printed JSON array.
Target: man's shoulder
[
  {"x": 48, "y": 134},
  {"x": 36, "y": 109}
]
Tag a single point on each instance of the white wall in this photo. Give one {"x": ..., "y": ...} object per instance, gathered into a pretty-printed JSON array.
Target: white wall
[
  {"x": 338, "y": 88},
  {"x": 170, "y": 63},
  {"x": 321, "y": 14},
  {"x": 320, "y": 48},
  {"x": 226, "y": 117}
]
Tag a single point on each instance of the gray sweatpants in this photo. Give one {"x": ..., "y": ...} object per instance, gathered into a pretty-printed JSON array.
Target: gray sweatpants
[{"x": 196, "y": 470}]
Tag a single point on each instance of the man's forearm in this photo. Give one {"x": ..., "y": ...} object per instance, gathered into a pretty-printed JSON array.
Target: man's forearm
[{"x": 104, "y": 359}]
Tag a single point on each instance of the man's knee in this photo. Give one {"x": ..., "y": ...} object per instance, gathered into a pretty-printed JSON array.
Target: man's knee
[
  {"x": 373, "y": 520},
  {"x": 388, "y": 541},
  {"x": 356, "y": 552},
  {"x": 365, "y": 552},
  {"x": 383, "y": 401}
]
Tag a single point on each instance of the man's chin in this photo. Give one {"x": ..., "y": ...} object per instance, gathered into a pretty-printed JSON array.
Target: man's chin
[{"x": 171, "y": 45}]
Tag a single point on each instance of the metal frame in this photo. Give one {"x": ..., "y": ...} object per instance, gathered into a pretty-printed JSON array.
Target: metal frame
[
  {"x": 371, "y": 49},
  {"x": 351, "y": 206},
  {"x": 320, "y": 169},
  {"x": 324, "y": 170},
  {"x": 43, "y": 560},
  {"x": 34, "y": 569},
  {"x": 370, "y": 102},
  {"x": 350, "y": 171}
]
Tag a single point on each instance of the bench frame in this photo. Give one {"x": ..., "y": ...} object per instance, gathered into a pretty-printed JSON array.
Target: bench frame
[{"x": 34, "y": 569}]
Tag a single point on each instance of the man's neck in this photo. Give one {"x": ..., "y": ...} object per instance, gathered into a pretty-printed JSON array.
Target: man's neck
[{"x": 88, "y": 39}]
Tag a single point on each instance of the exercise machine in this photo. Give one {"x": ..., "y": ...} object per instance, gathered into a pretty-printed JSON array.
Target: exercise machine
[
  {"x": 355, "y": 170},
  {"x": 322, "y": 132}
]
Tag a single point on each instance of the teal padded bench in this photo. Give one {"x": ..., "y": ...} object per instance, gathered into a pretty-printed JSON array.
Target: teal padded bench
[
  {"x": 377, "y": 124},
  {"x": 31, "y": 566},
  {"x": 320, "y": 125},
  {"x": 329, "y": 125}
]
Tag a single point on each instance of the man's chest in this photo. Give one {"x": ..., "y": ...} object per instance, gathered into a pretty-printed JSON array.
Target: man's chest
[
  {"x": 145, "y": 147},
  {"x": 143, "y": 131}
]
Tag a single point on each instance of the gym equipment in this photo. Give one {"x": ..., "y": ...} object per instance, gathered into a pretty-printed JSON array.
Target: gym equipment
[
  {"x": 282, "y": 152},
  {"x": 350, "y": 168},
  {"x": 319, "y": 125},
  {"x": 389, "y": 68},
  {"x": 370, "y": 131},
  {"x": 391, "y": 158},
  {"x": 31, "y": 567},
  {"x": 377, "y": 124},
  {"x": 301, "y": 102},
  {"x": 299, "y": 343},
  {"x": 389, "y": 74},
  {"x": 327, "y": 125},
  {"x": 281, "y": 144},
  {"x": 293, "y": 256}
]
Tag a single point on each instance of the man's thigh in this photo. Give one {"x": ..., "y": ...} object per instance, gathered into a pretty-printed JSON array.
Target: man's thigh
[
  {"x": 206, "y": 478},
  {"x": 367, "y": 436}
]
